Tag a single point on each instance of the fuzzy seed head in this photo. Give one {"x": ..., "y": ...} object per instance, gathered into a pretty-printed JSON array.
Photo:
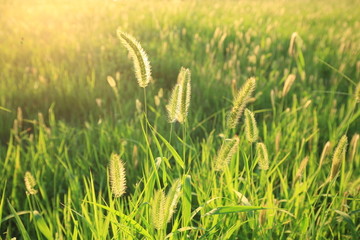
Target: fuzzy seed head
[
  {"x": 158, "y": 210},
  {"x": 160, "y": 93},
  {"x": 288, "y": 83},
  {"x": 117, "y": 76},
  {"x": 140, "y": 59},
  {"x": 292, "y": 44},
  {"x": 117, "y": 175},
  {"x": 262, "y": 217},
  {"x": 226, "y": 152},
  {"x": 172, "y": 199},
  {"x": 324, "y": 153},
  {"x": 263, "y": 156},
  {"x": 251, "y": 129},
  {"x": 357, "y": 93},
  {"x": 353, "y": 146},
  {"x": 301, "y": 168},
  {"x": 157, "y": 100},
  {"x": 111, "y": 81},
  {"x": 173, "y": 107},
  {"x": 30, "y": 183},
  {"x": 184, "y": 80},
  {"x": 138, "y": 105},
  {"x": 240, "y": 102},
  {"x": 339, "y": 155}
]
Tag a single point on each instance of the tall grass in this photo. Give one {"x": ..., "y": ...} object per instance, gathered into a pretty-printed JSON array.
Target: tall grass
[{"x": 69, "y": 102}]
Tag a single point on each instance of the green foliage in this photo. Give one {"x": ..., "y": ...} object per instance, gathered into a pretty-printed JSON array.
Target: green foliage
[{"x": 67, "y": 102}]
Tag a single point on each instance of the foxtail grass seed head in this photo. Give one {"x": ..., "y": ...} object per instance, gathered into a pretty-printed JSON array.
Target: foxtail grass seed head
[
  {"x": 262, "y": 217},
  {"x": 139, "y": 57},
  {"x": 288, "y": 83},
  {"x": 138, "y": 105},
  {"x": 307, "y": 104},
  {"x": 111, "y": 81},
  {"x": 30, "y": 183},
  {"x": 292, "y": 44},
  {"x": 157, "y": 100},
  {"x": 173, "y": 108},
  {"x": 135, "y": 156},
  {"x": 117, "y": 76},
  {"x": 117, "y": 175},
  {"x": 251, "y": 129},
  {"x": 353, "y": 146},
  {"x": 160, "y": 93},
  {"x": 339, "y": 155},
  {"x": 184, "y": 80},
  {"x": 357, "y": 93},
  {"x": 324, "y": 153},
  {"x": 242, "y": 199},
  {"x": 226, "y": 152},
  {"x": 158, "y": 210},
  {"x": 15, "y": 127},
  {"x": 263, "y": 156},
  {"x": 172, "y": 199},
  {"x": 240, "y": 102},
  {"x": 301, "y": 168}
]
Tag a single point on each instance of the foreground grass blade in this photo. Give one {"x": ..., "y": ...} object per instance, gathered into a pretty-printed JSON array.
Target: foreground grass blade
[
  {"x": 41, "y": 224},
  {"x": 19, "y": 223},
  {"x": 172, "y": 150},
  {"x": 233, "y": 209},
  {"x": 5, "y": 109},
  {"x": 126, "y": 218},
  {"x": 2, "y": 204},
  {"x": 186, "y": 200}
]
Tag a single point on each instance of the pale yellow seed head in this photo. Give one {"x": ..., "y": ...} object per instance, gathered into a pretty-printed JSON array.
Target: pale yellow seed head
[
  {"x": 227, "y": 150},
  {"x": 30, "y": 183},
  {"x": 292, "y": 44},
  {"x": 157, "y": 100},
  {"x": 161, "y": 93},
  {"x": 301, "y": 169},
  {"x": 357, "y": 93},
  {"x": 140, "y": 59},
  {"x": 158, "y": 210},
  {"x": 251, "y": 129},
  {"x": 288, "y": 83},
  {"x": 172, "y": 199},
  {"x": 324, "y": 153},
  {"x": 117, "y": 76},
  {"x": 138, "y": 105},
  {"x": 263, "y": 156},
  {"x": 135, "y": 156},
  {"x": 339, "y": 155},
  {"x": 117, "y": 175},
  {"x": 240, "y": 102},
  {"x": 353, "y": 147},
  {"x": 184, "y": 80},
  {"x": 111, "y": 81},
  {"x": 173, "y": 108}
]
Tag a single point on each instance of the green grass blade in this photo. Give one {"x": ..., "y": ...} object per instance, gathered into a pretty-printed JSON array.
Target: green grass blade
[
  {"x": 126, "y": 218},
  {"x": 19, "y": 223},
  {"x": 233, "y": 209},
  {"x": 172, "y": 150},
  {"x": 41, "y": 224},
  {"x": 186, "y": 201}
]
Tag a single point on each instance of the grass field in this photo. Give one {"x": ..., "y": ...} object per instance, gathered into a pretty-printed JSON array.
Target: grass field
[{"x": 71, "y": 108}]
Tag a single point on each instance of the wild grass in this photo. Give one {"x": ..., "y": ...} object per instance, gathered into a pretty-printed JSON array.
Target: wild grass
[{"x": 72, "y": 106}]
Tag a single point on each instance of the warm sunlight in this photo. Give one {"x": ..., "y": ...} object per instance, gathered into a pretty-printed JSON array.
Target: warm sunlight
[{"x": 179, "y": 119}]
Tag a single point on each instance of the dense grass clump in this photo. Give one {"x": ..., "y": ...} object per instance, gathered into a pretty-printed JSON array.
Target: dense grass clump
[{"x": 245, "y": 126}]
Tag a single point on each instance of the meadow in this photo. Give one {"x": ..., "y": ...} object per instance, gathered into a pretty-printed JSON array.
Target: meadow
[{"x": 246, "y": 127}]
